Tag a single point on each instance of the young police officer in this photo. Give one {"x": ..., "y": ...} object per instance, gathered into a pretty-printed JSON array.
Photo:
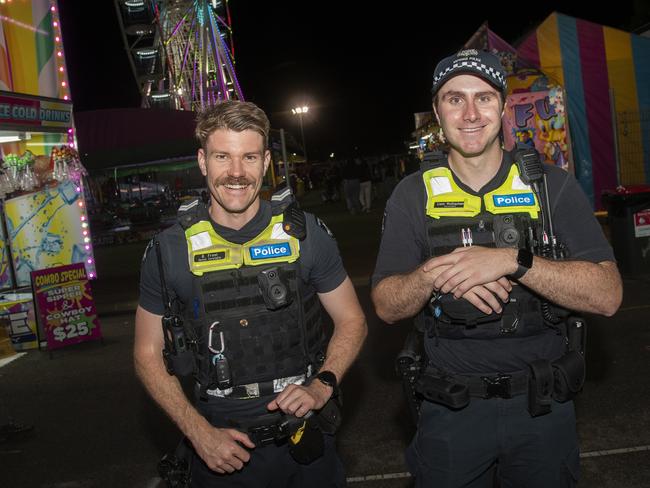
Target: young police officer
[
  {"x": 246, "y": 279},
  {"x": 457, "y": 251}
]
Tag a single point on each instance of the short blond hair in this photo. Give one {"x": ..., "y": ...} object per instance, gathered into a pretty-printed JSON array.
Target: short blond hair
[{"x": 231, "y": 115}]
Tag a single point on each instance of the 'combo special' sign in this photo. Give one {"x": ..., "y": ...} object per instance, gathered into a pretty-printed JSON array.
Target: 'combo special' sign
[{"x": 65, "y": 305}]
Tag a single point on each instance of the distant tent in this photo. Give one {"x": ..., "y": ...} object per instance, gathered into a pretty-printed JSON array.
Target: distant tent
[
  {"x": 485, "y": 39},
  {"x": 606, "y": 74}
]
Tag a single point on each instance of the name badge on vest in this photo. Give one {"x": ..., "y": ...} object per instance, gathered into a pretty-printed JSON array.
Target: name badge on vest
[
  {"x": 270, "y": 251},
  {"x": 209, "y": 256}
]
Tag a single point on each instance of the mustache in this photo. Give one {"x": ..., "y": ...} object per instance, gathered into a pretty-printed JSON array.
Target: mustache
[{"x": 233, "y": 180}]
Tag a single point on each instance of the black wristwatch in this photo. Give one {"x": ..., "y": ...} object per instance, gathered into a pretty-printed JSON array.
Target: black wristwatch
[
  {"x": 327, "y": 378},
  {"x": 524, "y": 263}
]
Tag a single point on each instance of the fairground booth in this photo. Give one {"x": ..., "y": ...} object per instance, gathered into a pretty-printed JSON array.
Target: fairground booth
[{"x": 47, "y": 256}]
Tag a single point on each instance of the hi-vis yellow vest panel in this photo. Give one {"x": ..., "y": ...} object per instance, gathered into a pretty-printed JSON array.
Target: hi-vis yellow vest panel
[
  {"x": 207, "y": 251},
  {"x": 446, "y": 199}
]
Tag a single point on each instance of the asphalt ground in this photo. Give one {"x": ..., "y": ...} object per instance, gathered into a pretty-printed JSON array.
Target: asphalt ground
[{"x": 94, "y": 426}]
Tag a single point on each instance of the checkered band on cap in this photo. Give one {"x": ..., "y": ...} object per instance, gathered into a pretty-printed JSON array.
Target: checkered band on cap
[{"x": 470, "y": 61}]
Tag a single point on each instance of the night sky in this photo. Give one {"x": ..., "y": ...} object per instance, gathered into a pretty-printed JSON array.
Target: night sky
[{"x": 363, "y": 72}]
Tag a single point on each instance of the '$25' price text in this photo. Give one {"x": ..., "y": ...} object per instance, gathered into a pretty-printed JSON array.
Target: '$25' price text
[{"x": 70, "y": 331}]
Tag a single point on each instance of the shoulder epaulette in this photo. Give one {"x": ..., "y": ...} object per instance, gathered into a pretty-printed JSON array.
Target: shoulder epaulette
[
  {"x": 192, "y": 212},
  {"x": 281, "y": 199},
  {"x": 432, "y": 160}
]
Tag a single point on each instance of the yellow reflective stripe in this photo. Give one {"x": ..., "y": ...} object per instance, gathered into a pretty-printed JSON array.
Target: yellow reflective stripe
[
  {"x": 512, "y": 200},
  {"x": 221, "y": 254},
  {"x": 264, "y": 239},
  {"x": 448, "y": 200}
]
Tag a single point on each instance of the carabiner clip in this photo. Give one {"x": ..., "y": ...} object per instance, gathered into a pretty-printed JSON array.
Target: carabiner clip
[{"x": 221, "y": 341}]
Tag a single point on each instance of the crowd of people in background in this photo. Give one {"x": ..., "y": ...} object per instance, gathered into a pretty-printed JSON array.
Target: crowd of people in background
[{"x": 360, "y": 181}]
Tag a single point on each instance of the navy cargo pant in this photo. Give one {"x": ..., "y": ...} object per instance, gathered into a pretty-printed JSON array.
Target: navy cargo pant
[
  {"x": 495, "y": 439},
  {"x": 270, "y": 466},
  {"x": 273, "y": 467}
]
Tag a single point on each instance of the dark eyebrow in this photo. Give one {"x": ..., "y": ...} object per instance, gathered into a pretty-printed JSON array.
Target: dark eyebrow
[
  {"x": 483, "y": 93},
  {"x": 453, "y": 94},
  {"x": 462, "y": 94}
]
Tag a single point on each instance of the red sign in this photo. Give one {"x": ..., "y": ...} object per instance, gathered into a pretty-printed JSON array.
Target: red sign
[
  {"x": 642, "y": 223},
  {"x": 65, "y": 305}
]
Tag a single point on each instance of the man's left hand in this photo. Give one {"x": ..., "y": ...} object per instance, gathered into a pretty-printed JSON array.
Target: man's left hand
[
  {"x": 298, "y": 400},
  {"x": 471, "y": 266}
]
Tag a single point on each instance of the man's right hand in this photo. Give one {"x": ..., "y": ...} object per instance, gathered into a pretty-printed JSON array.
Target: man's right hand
[
  {"x": 488, "y": 297},
  {"x": 491, "y": 296},
  {"x": 221, "y": 449}
]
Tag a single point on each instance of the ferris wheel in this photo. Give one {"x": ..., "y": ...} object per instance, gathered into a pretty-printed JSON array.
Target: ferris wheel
[{"x": 181, "y": 51}]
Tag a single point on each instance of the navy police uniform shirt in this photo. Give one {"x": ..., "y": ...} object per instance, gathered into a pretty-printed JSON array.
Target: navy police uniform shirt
[
  {"x": 404, "y": 247},
  {"x": 320, "y": 263}
]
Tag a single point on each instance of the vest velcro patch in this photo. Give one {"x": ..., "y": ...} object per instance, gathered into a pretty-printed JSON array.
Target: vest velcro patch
[
  {"x": 209, "y": 256},
  {"x": 514, "y": 200},
  {"x": 267, "y": 251}
]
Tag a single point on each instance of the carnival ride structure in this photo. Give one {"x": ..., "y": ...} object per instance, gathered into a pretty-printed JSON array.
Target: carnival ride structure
[{"x": 181, "y": 51}]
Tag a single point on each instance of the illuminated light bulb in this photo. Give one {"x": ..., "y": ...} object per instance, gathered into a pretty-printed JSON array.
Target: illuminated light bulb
[
  {"x": 85, "y": 232},
  {"x": 83, "y": 217},
  {"x": 87, "y": 247},
  {"x": 55, "y": 23},
  {"x": 58, "y": 39},
  {"x": 65, "y": 97},
  {"x": 84, "y": 225},
  {"x": 59, "y": 53},
  {"x": 92, "y": 275},
  {"x": 86, "y": 239},
  {"x": 81, "y": 204},
  {"x": 61, "y": 69},
  {"x": 52, "y": 8},
  {"x": 63, "y": 83},
  {"x": 90, "y": 261}
]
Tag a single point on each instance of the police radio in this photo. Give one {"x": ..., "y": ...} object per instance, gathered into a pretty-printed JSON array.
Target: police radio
[{"x": 177, "y": 354}]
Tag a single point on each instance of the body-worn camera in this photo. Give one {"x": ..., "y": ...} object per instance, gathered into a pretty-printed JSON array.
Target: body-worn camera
[
  {"x": 506, "y": 233},
  {"x": 274, "y": 289}
]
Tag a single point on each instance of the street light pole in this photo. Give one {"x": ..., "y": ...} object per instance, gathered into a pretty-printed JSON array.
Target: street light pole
[{"x": 299, "y": 111}]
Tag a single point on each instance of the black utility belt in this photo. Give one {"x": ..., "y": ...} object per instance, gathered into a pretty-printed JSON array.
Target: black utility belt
[
  {"x": 543, "y": 382},
  {"x": 257, "y": 390},
  {"x": 272, "y": 428}
]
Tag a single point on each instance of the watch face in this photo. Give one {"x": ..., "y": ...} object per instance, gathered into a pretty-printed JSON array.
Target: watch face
[
  {"x": 525, "y": 258},
  {"x": 328, "y": 378}
]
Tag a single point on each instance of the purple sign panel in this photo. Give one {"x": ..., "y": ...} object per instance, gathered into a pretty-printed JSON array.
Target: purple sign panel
[{"x": 65, "y": 305}]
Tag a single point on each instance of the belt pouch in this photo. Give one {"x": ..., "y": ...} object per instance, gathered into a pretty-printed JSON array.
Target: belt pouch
[
  {"x": 439, "y": 390},
  {"x": 569, "y": 373},
  {"x": 540, "y": 387}
]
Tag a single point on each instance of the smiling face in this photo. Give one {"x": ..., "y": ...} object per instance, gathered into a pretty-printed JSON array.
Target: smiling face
[
  {"x": 234, "y": 164},
  {"x": 469, "y": 110}
]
